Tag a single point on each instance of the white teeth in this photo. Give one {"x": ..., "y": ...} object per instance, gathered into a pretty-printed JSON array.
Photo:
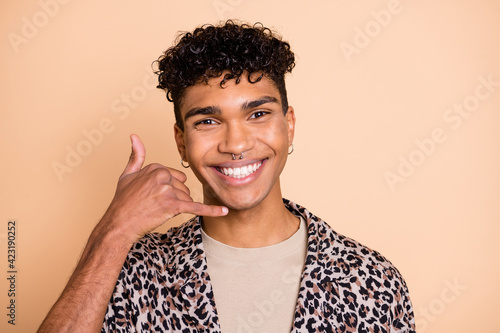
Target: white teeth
[{"x": 242, "y": 172}]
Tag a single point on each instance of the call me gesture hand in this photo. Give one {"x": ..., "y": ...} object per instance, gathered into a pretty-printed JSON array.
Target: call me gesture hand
[{"x": 145, "y": 198}]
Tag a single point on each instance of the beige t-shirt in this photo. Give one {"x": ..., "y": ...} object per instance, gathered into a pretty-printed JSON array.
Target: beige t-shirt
[{"x": 256, "y": 289}]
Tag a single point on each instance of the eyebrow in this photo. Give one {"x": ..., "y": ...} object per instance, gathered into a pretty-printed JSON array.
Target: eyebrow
[
  {"x": 253, "y": 104},
  {"x": 210, "y": 110},
  {"x": 203, "y": 111}
]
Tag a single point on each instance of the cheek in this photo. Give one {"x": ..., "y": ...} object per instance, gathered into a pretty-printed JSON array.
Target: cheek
[
  {"x": 277, "y": 137},
  {"x": 196, "y": 147}
]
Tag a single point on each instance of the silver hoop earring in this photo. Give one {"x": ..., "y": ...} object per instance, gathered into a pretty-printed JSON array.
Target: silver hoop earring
[
  {"x": 290, "y": 151},
  {"x": 182, "y": 163}
]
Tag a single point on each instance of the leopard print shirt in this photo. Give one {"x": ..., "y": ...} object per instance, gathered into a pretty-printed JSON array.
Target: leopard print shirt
[{"x": 345, "y": 287}]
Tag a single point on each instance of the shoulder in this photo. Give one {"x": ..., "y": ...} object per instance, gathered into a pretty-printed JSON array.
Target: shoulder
[
  {"x": 371, "y": 282},
  {"x": 346, "y": 259},
  {"x": 356, "y": 279},
  {"x": 358, "y": 258},
  {"x": 340, "y": 256}
]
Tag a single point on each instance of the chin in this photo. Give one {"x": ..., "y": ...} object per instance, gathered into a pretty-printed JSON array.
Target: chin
[
  {"x": 237, "y": 202},
  {"x": 242, "y": 204}
]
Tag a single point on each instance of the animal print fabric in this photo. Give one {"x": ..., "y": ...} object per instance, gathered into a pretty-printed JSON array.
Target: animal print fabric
[{"x": 345, "y": 287}]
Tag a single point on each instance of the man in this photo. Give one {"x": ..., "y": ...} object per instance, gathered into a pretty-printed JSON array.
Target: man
[{"x": 250, "y": 261}]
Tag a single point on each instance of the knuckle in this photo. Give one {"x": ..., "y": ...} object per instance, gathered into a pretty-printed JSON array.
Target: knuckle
[
  {"x": 156, "y": 165},
  {"x": 167, "y": 188},
  {"x": 175, "y": 209},
  {"x": 161, "y": 174}
]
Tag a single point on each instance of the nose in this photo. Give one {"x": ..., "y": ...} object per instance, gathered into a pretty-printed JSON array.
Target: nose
[{"x": 236, "y": 139}]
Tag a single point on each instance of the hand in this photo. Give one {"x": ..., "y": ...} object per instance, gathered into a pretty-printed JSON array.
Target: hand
[{"x": 147, "y": 197}]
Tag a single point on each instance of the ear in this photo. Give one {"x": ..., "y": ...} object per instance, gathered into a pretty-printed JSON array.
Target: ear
[
  {"x": 179, "y": 140},
  {"x": 290, "y": 119}
]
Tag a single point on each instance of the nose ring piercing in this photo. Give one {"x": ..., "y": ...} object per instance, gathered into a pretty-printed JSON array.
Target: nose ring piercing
[{"x": 234, "y": 156}]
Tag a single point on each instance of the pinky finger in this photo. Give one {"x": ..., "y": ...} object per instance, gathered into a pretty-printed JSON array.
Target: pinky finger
[{"x": 198, "y": 208}]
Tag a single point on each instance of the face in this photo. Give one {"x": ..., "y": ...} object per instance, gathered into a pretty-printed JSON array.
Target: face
[{"x": 244, "y": 118}]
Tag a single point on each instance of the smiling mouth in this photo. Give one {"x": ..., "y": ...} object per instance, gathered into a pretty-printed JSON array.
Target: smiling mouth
[{"x": 240, "y": 172}]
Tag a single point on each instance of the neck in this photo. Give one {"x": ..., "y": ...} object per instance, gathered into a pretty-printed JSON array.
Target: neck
[{"x": 268, "y": 223}]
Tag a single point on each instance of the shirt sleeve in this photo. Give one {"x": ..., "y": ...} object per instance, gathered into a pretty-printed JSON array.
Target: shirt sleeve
[
  {"x": 402, "y": 311},
  {"x": 119, "y": 314},
  {"x": 125, "y": 308}
]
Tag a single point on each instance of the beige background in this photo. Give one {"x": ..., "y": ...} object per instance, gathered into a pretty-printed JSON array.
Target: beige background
[{"x": 361, "y": 104}]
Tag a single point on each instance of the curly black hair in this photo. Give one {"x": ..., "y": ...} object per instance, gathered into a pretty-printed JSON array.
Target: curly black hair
[{"x": 210, "y": 50}]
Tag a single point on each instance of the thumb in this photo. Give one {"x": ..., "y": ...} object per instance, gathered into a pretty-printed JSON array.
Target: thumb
[{"x": 137, "y": 156}]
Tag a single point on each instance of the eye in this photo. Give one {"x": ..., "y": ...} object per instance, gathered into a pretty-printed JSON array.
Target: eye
[
  {"x": 258, "y": 114},
  {"x": 205, "y": 122}
]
